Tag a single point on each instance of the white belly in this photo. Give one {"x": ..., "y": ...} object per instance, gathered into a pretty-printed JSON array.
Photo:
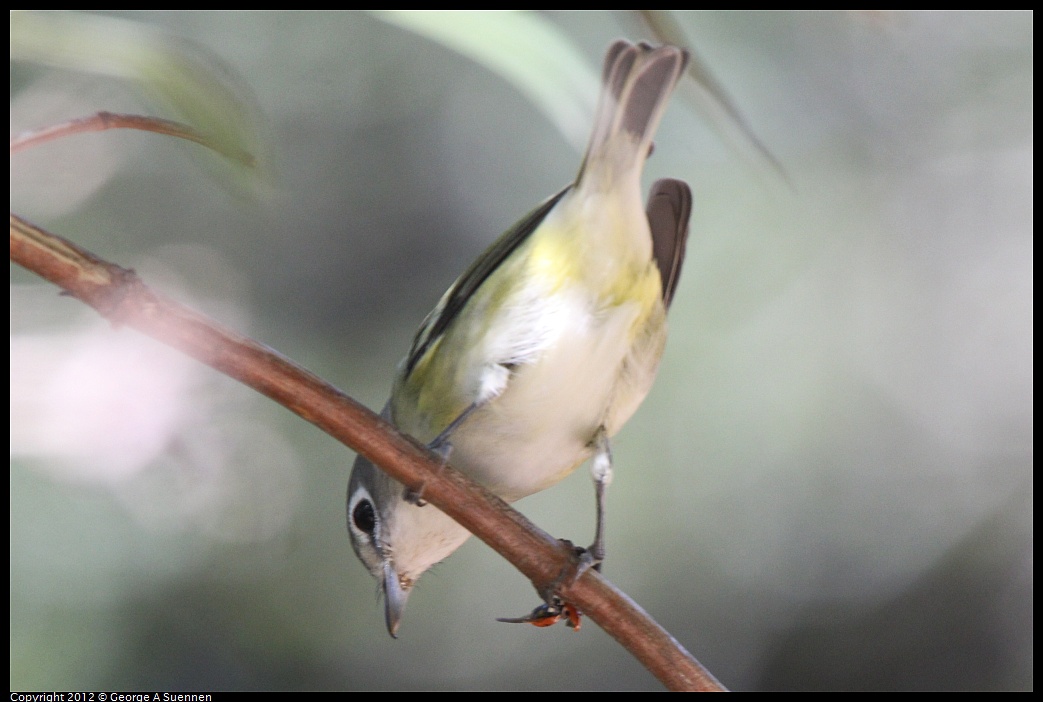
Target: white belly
[{"x": 540, "y": 427}]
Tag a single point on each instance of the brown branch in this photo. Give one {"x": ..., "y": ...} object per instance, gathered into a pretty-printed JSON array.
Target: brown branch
[{"x": 119, "y": 295}]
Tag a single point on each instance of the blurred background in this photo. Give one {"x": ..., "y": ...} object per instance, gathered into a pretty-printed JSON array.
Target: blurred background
[{"x": 829, "y": 486}]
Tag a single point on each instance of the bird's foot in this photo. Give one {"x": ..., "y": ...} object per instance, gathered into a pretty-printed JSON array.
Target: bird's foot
[{"x": 554, "y": 606}]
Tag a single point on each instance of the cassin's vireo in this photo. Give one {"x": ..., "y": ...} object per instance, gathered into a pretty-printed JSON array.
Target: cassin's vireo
[{"x": 547, "y": 344}]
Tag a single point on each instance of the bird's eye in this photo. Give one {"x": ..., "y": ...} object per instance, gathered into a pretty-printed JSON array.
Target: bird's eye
[{"x": 364, "y": 517}]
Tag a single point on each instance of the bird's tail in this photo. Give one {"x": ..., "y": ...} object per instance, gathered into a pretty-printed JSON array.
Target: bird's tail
[{"x": 637, "y": 81}]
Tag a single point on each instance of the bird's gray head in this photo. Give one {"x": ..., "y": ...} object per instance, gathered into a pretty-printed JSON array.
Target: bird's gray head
[{"x": 396, "y": 539}]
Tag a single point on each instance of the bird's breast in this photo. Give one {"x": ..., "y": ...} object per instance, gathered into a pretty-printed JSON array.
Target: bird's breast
[
  {"x": 555, "y": 396},
  {"x": 562, "y": 339}
]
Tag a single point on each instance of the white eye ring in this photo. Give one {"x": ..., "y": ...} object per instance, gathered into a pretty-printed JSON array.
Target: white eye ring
[{"x": 358, "y": 498}]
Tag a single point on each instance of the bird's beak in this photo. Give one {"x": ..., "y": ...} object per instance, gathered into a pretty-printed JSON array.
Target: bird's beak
[{"x": 395, "y": 597}]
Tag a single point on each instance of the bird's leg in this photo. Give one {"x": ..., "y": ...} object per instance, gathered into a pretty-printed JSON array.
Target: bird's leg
[
  {"x": 601, "y": 470},
  {"x": 555, "y": 606},
  {"x": 443, "y": 447},
  {"x": 440, "y": 444},
  {"x": 494, "y": 379},
  {"x": 593, "y": 555}
]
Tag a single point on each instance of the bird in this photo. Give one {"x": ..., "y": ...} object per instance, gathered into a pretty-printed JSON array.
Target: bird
[{"x": 546, "y": 345}]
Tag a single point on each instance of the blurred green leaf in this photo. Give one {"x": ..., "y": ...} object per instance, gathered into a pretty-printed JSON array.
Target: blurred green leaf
[
  {"x": 179, "y": 76},
  {"x": 544, "y": 64},
  {"x": 710, "y": 97},
  {"x": 524, "y": 49}
]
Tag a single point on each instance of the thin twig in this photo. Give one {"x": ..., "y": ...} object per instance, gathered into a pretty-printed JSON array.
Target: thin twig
[{"x": 109, "y": 120}]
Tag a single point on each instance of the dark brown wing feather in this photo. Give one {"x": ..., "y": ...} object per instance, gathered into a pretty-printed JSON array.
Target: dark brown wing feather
[{"x": 669, "y": 208}]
